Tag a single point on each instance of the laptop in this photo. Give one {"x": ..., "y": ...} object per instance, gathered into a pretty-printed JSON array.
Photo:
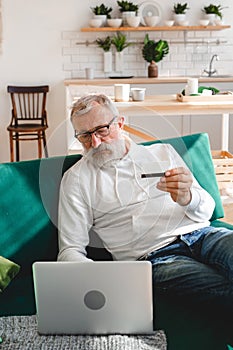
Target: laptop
[{"x": 104, "y": 297}]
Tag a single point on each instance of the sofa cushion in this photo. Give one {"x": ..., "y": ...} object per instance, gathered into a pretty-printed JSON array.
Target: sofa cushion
[{"x": 29, "y": 199}]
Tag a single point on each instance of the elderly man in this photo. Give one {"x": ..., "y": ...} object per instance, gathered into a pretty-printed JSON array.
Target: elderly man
[{"x": 163, "y": 219}]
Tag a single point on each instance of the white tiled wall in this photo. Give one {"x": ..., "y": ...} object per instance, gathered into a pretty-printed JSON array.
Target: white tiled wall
[{"x": 186, "y": 57}]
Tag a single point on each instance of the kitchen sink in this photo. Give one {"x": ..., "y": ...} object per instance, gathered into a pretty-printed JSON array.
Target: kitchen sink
[
  {"x": 216, "y": 76},
  {"x": 219, "y": 76},
  {"x": 213, "y": 76}
]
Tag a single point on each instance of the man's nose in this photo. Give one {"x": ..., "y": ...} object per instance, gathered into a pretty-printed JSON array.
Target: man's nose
[{"x": 95, "y": 141}]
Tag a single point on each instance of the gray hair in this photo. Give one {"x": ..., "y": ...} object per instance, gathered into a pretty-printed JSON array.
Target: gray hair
[{"x": 85, "y": 104}]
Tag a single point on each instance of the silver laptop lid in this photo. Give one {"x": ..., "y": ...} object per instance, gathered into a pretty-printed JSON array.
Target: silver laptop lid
[{"x": 93, "y": 297}]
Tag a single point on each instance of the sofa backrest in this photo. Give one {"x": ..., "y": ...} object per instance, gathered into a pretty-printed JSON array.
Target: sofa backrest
[
  {"x": 29, "y": 200},
  {"x": 28, "y": 224}
]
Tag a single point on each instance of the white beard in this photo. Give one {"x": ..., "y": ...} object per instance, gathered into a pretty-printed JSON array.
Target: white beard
[{"x": 106, "y": 153}]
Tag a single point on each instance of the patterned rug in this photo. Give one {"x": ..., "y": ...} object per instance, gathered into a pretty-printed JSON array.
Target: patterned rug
[{"x": 20, "y": 333}]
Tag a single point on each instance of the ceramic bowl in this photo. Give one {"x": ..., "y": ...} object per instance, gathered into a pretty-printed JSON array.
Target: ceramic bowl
[
  {"x": 138, "y": 94},
  {"x": 151, "y": 21},
  {"x": 114, "y": 22},
  {"x": 95, "y": 23},
  {"x": 133, "y": 21},
  {"x": 169, "y": 23},
  {"x": 204, "y": 22}
]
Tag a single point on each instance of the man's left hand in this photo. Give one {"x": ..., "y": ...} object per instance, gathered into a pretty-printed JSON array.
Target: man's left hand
[{"x": 177, "y": 182}]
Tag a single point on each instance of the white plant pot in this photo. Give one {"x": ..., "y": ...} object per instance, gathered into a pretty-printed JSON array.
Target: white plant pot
[
  {"x": 211, "y": 17},
  {"x": 103, "y": 19},
  {"x": 179, "y": 18},
  {"x": 107, "y": 62},
  {"x": 125, "y": 15},
  {"x": 119, "y": 61}
]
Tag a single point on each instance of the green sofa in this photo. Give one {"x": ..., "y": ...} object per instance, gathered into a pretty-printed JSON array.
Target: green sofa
[{"x": 29, "y": 199}]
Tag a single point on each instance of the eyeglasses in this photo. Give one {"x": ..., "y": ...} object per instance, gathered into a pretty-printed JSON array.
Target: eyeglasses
[{"x": 99, "y": 131}]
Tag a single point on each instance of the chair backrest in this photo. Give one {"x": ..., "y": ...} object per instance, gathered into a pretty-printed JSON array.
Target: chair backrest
[{"x": 28, "y": 103}]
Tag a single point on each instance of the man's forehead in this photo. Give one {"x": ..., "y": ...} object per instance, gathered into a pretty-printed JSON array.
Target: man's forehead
[
  {"x": 95, "y": 117},
  {"x": 95, "y": 104}
]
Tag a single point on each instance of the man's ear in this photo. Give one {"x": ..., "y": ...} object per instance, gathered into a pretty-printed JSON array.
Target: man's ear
[{"x": 121, "y": 121}]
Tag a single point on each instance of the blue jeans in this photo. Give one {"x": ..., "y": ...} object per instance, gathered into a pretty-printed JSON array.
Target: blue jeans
[{"x": 198, "y": 265}]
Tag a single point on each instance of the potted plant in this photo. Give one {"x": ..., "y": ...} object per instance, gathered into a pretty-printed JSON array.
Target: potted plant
[
  {"x": 180, "y": 9},
  {"x": 154, "y": 52},
  {"x": 212, "y": 11},
  {"x": 102, "y": 12},
  {"x": 106, "y": 44},
  {"x": 127, "y": 6},
  {"x": 180, "y": 12},
  {"x": 120, "y": 42},
  {"x": 127, "y": 9}
]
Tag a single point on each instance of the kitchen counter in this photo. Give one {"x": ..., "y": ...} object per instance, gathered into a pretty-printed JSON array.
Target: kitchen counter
[
  {"x": 177, "y": 118},
  {"x": 145, "y": 80},
  {"x": 169, "y": 105}
]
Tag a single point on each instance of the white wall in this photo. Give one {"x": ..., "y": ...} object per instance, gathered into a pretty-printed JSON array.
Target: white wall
[{"x": 32, "y": 54}]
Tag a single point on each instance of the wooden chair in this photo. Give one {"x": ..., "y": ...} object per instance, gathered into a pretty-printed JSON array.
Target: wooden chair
[{"x": 29, "y": 117}]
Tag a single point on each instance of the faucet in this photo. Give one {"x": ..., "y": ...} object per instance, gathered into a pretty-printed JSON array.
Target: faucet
[{"x": 211, "y": 72}]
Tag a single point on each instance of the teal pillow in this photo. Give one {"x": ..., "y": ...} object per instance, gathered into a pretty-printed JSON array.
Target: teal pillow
[{"x": 8, "y": 270}]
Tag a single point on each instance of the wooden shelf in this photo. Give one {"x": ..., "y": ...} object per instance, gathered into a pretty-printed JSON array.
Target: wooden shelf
[{"x": 161, "y": 28}]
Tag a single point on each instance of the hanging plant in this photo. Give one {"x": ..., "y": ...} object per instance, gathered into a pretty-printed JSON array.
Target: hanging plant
[
  {"x": 120, "y": 41},
  {"x": 154, "y": 51},
  {"x": 104, "y": 44}
]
